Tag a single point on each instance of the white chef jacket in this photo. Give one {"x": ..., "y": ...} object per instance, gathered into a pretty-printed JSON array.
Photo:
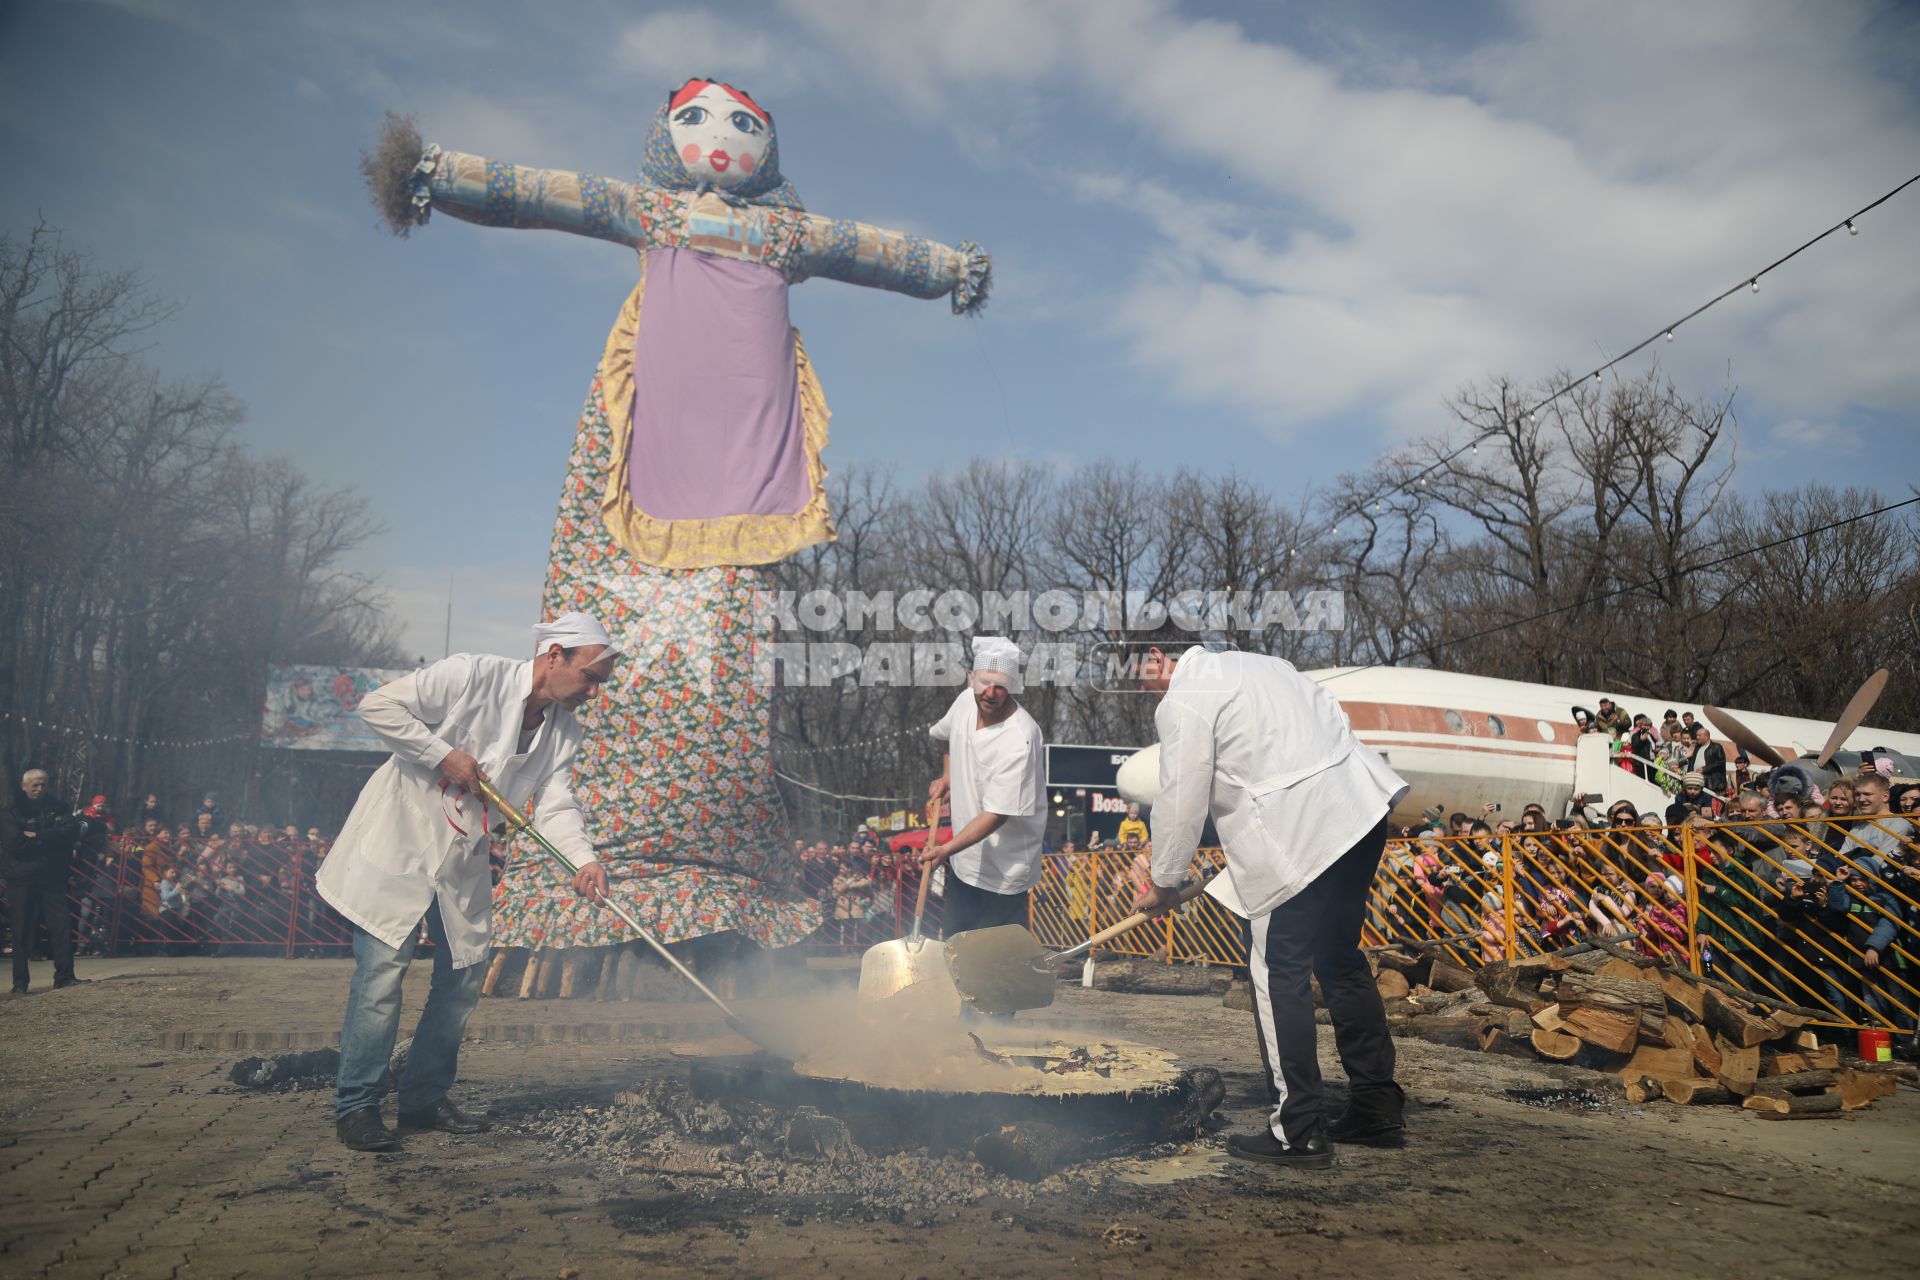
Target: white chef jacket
[
  {"x": 1272, "y": 757},
  {"x": 999, "y": 769},
  {"x": 412, "y": 839}
]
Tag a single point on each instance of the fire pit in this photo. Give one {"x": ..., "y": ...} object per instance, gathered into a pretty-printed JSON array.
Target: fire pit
[
  {"x": 1020, "y": 1104},
  {"x": 890, "y": 1119}
]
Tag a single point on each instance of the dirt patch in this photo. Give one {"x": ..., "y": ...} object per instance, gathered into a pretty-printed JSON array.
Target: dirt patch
[
  {"x": 288, "y": 1072},
  {"x": 116, "y": 1158}
]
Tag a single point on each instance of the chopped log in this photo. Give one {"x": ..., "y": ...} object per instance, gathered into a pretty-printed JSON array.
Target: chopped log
[
  {"x": 1825, "y": 1058},
  {"x": 1677, "y": 1033},
  {"x": 1621, "y": 994},
  {"x": 1392, "y": 984},
  {"x": 1739, "y": 1066},
  {"x": 1788, "y": 1020},
  {"x": 1557, "y": 1045},
  {"x": 1506, "y": 1031},
  {"x": 1493, "y": 1039},
  {"x": 1413, "y": 967},
  {"x": 495, "y": 967},
  {"x": 553, "y": 964},
  {"x": 1430, "y": 944},
  {"x": 1448, "y": 976},
  {"x": 1776, "y": 1105},
  {"x": 1795, "y": 1082},
  {"x": 1706, "y": 1054},
  {"x": 1151, "y": 977},
  {"x": 608, "y": 987},
  {"x": 1907, "y": 1071},
  {"x": 1588, "y": 962},
  {"x": 1685, "y": 997},
  {"x": 572, "y": 962},
  {"x": 1549, "y": 1019},
  {"x": 1739, "y": 993},
  {"x": 1618, "y": 968},
  {"x": 531, "y": 974},
  {"x": 1723, "y": 1015},
  {"x": 1643, "y": 1089},
  {"x": 1695, "y": 1092},
  {"x": 1807, "y": 1040},
  {"x": 1515, "y": 983},
  {"x": 1458, "y": 1030},
  {"x": 1604, "y": 1028},
  {"x": 1661, "y": 1064},
  {"x": 1857, "y": 1089}
]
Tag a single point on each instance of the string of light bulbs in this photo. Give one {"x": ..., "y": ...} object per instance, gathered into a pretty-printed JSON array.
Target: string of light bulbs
[
  {"x": 1750, "y": 282},
  {"x": 837, "y": 795},
  {"x": 849, "y": 746},
  {"x": 122, "y": 740}
]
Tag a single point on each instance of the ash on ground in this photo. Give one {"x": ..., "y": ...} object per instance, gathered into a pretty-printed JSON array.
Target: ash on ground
[
  {"x": 288, "y": 1072},
  {"x": 659, "y": 1135}
]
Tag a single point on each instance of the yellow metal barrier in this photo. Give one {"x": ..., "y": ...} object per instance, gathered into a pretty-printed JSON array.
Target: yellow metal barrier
[{"x": 1819, "y": 913}]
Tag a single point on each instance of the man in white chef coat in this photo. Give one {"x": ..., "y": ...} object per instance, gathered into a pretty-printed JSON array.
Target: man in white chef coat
[
  {"x": 416, "y": 845},
  {"x": 995, "y": 775},
  {"x": 1301, "y": 808}
]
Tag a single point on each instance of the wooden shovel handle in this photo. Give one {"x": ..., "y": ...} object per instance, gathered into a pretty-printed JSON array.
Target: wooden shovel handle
[
  {"x": 926, "y": 872},
  {"x": 1188, "y": 892}
]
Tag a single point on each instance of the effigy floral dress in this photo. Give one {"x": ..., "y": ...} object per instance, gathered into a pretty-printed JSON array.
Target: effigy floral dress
[{"x": 696, "y": 459}]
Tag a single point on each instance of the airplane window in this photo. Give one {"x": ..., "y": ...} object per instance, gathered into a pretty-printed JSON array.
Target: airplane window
[
  {"x": 1456, "y": 722},
  {"x": 1546, "y": 730},
  {"x": 1498, "y": 726}
]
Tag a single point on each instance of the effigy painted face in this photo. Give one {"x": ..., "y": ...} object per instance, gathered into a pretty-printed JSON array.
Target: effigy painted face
[{"x": 721, "y": 136}]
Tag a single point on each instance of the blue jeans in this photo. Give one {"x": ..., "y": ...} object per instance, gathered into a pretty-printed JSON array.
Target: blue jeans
[{"x": 373, "y": 1021}]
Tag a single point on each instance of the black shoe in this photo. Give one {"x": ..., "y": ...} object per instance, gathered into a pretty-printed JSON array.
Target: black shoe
[
  {"x": 1315, "y": 1153},
  {"x": 1373, "y": 1118},
  {"x": 363, "y": 1130},
  {"x": 58, "y": 983},
  {"x": 444, "y": 1116},
  {"x": 19, "y": 990}
]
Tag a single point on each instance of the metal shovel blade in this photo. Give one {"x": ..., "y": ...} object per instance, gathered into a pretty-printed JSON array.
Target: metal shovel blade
[
  {"x": 1002, "y": 969},
  {"x": 918, "y": 966}
]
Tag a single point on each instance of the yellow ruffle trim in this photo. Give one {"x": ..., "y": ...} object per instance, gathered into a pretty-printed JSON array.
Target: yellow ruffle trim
[{"x": 721, "y": 540}]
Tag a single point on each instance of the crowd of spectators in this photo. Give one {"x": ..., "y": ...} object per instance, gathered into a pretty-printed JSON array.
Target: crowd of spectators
[
  {"x": 1809, "y": 892},
  {"x": 1805, "y": 892},
  {"x": 203, "y": 883}
]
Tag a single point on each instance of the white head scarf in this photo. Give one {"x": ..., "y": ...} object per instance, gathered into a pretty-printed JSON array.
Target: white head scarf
[
  {"x": 999, "y": 655},
  {"x": 572, "y": 631}
]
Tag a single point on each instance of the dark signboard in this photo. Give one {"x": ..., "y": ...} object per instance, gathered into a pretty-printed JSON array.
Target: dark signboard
[{"x": 1074, "y": 766}]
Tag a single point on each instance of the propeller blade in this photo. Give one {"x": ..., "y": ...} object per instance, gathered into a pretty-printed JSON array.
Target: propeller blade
[
  {"x": 1755, "y": 744},
  {"x": 1863, "y": 699}
]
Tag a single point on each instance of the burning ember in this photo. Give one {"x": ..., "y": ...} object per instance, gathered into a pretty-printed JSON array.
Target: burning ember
[{"x": 890, "y": 1124}]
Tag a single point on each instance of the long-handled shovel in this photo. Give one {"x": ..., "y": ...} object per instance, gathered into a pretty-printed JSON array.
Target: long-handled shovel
[
  {"x": 766, "y": 1037},
  {"x": 1003, "y": 969},
  {"x": 889, "y": 968}
]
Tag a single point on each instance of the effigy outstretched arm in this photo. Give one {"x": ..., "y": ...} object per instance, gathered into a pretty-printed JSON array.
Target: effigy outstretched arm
[
  {"x": 409, "y": 179},
  {"x": 841, "y": 249}
]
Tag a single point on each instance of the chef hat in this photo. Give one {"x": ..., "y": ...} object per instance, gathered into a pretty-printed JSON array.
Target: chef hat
[
  {"x": 1000, "y": 655},
  {"x": 572, "y": 631}
]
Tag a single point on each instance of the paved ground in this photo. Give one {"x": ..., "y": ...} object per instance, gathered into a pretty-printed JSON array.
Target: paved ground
[{"x": 123, "y": 1152}]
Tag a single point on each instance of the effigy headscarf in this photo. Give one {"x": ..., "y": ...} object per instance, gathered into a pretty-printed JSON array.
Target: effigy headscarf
[{"x": 661, "y": 165}]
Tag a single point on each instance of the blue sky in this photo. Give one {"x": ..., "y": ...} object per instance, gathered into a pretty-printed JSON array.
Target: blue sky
[{"x": 1262, "y": 237}]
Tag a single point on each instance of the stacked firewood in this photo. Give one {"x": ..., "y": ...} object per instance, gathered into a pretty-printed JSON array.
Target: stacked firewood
[{"x": 1663, "y": 1031}]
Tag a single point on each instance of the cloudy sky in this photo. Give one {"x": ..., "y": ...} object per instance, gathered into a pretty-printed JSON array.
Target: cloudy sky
[{"x": 1254, "y": 236}]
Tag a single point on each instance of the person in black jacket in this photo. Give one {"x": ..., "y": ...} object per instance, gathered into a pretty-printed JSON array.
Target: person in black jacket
[
  {"x": 36, "y": 850},
  {"x": 1710, "y": 760}
]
